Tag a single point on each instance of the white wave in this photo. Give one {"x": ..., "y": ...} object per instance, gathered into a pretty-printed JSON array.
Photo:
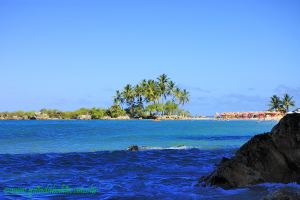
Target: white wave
[{"x": 161, "y": 148}]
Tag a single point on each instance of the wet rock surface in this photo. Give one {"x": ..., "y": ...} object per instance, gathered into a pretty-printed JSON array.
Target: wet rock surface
[
  {"x": 283, "y": 195},
  {"x": 133, "y": 148}
]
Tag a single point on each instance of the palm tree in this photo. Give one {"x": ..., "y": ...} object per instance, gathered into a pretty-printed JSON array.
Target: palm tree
[
  {"x": 151, "y": 91},
  {"x": 163, "y": 85},
  {"x": 275, "y": 103},
  {"x": 287, "y": 102},
  {"x": 171, "y": 87},
  {"x": 184, "y": 97},
  {"x": 128, "y": 95},
  {"x": 118, "y": 98},
  {"x": 139, "y": 91},
  {"x": 149, "y": 95},
  {"x": 143, "y": 83},
  {"x": 177, "y": 93}
]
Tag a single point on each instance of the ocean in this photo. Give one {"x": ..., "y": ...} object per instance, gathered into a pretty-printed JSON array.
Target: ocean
[{"x": 93, "y": 154}]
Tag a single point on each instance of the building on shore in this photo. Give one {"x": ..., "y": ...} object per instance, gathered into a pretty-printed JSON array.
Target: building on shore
[{"x": 250, "y": 115}]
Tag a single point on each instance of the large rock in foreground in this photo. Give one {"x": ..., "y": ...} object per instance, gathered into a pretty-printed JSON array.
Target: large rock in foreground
[{"x": 269, "y": 157}]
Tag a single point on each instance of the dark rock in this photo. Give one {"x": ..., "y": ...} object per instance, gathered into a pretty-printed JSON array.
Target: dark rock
[
  {"x": 268, "y": 157},
  {"x": 133, "y": 148},
  {"x": 224, "y": 159},
  {"x": 283, "y": 195},
  {"x": 33, "y": 118}
]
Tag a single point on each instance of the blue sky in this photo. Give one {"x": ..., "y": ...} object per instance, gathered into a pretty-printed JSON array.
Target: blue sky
[{"x": 230, "y": 55}]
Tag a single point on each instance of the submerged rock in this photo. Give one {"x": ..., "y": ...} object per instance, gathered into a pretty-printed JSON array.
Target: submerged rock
[
  {"x": 133, "y": 148},
  {"x": 268, "y": 157}
]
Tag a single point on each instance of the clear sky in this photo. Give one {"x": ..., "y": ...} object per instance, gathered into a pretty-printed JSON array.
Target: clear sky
[{"x": 66, "y": 54}]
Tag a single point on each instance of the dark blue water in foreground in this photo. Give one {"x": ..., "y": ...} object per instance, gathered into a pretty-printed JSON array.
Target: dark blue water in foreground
[{"x": 61, "y": 154}]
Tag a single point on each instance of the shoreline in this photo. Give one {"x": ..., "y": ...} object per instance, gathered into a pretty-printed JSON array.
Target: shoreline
[{"x": 155, "y": 120}]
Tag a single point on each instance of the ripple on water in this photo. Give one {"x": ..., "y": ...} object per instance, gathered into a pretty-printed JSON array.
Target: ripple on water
[{"x": 150, "y": 174}]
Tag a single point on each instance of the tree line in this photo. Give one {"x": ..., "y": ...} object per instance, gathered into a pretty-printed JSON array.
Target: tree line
[
  {"x": 150, "y": 98},
  {"x": 94, "y": 113}
]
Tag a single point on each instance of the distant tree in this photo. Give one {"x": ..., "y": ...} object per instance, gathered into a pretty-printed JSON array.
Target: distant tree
[
  {"x": 143, "y": 83},
  {"x": 97, "y": 113},
  {"x": 170, "y": 107},
  {"x": 152, "y": 91},
  {"x": 159, "y": 107},
  {"x": 163, "y": 86},
  {"x": 118, "y": 98},
  {"x": 287, "y": 102},
  {"x": 275, "y": 103},
  {"x": 67, "y": 115},
  {"x": 116, "y": 111},
  {"x": 129, "y": 96},
  {"x": 149, "y": 96},
  {"x": 52, "y": 113},
  {"x": 184, "y": 97},
  {"x": 151, "y": 109},
  {"x": 139, "y": 91},
  {"x": 171, "y": 88},
  {"x": 138, "y": 111},
  {"x": 177, "y": 93}
]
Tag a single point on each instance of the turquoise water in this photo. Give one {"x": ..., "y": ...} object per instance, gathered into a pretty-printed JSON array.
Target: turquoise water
[
  {"x": 17, "y": 137},
  {"x": 84, "y": 154}
]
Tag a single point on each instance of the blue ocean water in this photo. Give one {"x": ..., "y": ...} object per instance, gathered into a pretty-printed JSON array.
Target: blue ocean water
[
  {"x": 93, "y": 154},
  {"x": 19, "y": 137}
]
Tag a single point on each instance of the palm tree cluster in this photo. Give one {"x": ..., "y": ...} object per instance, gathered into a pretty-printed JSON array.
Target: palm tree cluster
[
  {"x": 151, "y": 97},
  {"x": 281, "y": 104}
]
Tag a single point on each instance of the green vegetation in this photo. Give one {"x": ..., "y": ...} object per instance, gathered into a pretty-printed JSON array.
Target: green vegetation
[
  {"x": 287, "y": 102},
  {"x": 17, "y": 114},
  {"x": 281, "y": 104},
  {"x": 93, "y": 113},
  {"x": 150, "y": 98},
  {"x": 115, "y": 111}
]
